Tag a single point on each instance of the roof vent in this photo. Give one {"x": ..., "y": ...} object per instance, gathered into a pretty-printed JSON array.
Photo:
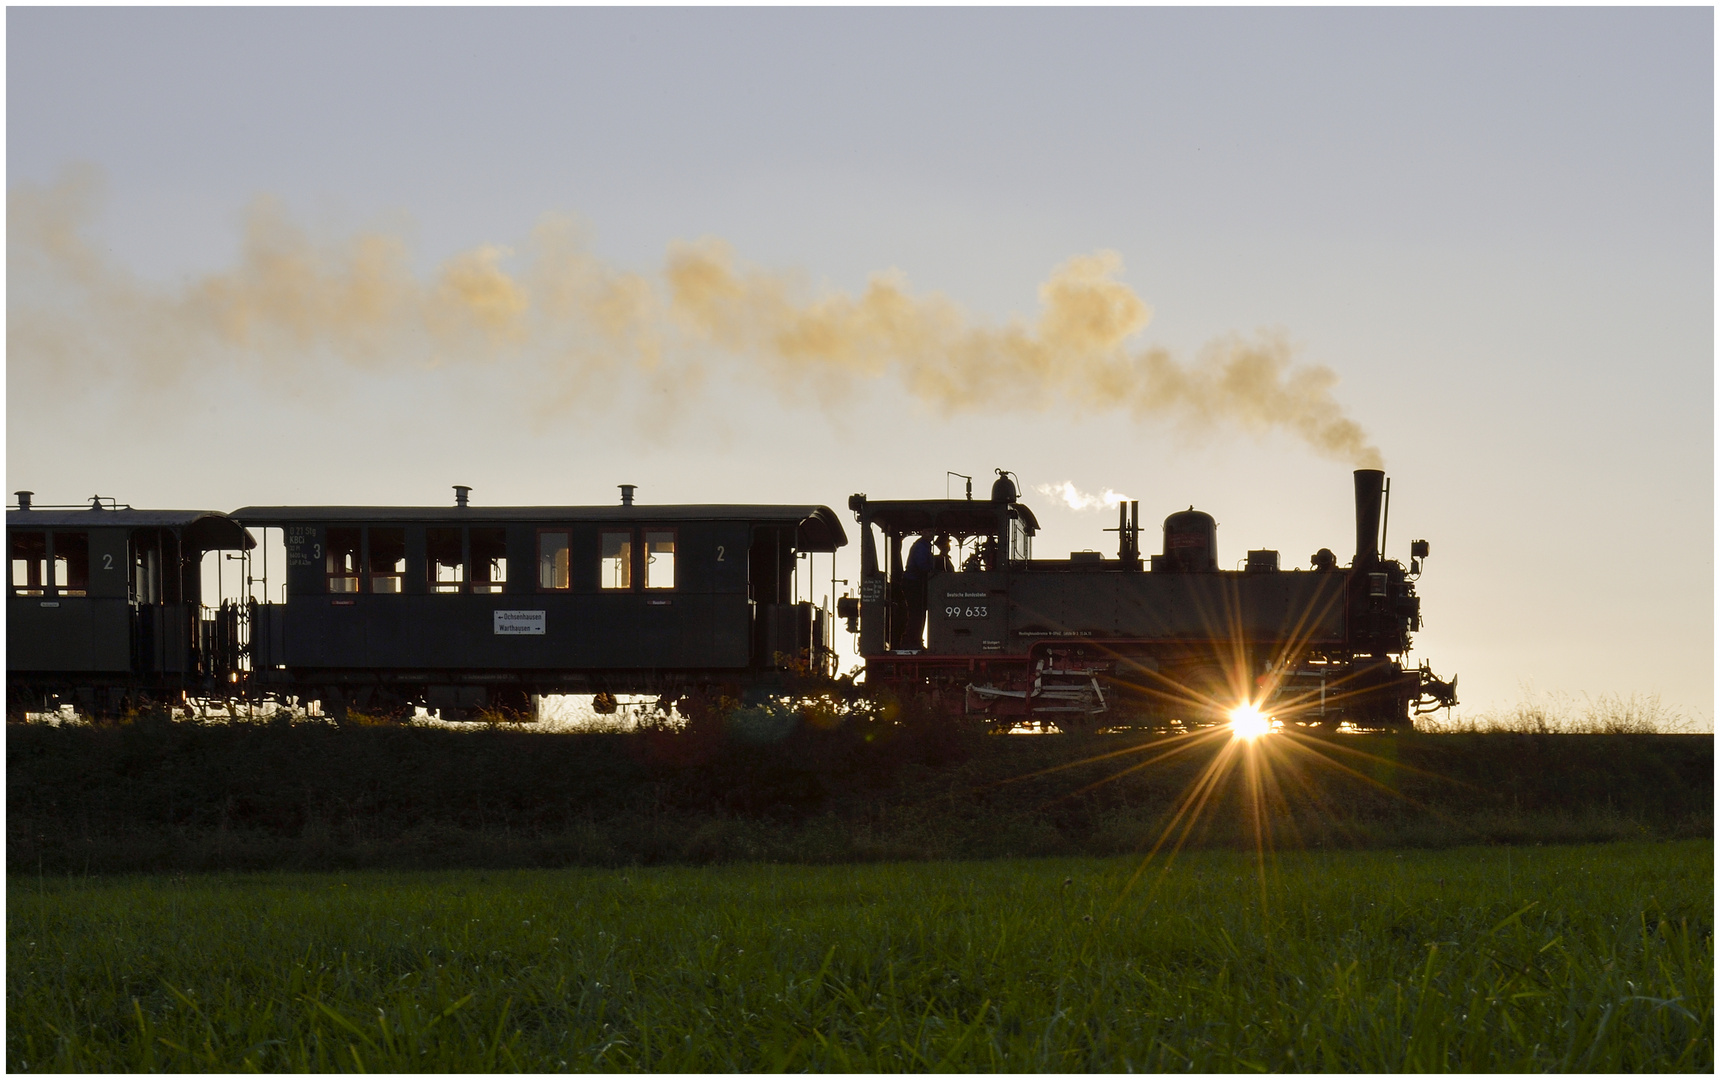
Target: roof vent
[
  {"x": 24, "y": 499},
  {"x": 462, "y": 494},
  {"x": 627, "y": 491}
]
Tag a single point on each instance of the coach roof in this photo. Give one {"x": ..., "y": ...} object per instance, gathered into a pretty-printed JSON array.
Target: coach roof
[
  {"x": 202, "y": 529},
  {"x": 817, "y": 527}
]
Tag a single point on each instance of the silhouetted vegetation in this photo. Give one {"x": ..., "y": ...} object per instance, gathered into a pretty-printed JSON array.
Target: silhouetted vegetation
[
  {"x": 1553, "y": 712},
  {"x": 778, "y": 784}
]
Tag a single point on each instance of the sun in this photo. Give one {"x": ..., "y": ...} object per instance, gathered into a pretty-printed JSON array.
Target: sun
[{"x": 1248, "y": 722}]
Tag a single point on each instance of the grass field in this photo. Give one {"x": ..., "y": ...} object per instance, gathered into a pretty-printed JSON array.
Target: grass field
[{"x": 1592, "y": 957}]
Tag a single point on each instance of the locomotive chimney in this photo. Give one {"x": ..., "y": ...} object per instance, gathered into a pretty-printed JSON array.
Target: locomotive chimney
[
  {"x": 1369, "y": 483},
  {"x": 627, "y": 493},
  {"x": 461, "y": 494},
  {"x": 24, "y": 499}
]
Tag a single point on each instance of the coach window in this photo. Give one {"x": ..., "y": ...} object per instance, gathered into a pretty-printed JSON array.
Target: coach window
[
  {"x": 387, "y": 560},
  {"x": 146, "y": 566},
  {"x": 660, "y": 559},
  {"x": 446, "y": 559},
  {"x": 342, "y": 545},
  {"x": 617, "y": 560},
  {"x": 489, "y": 560},
  {"x": 29, "y": 563},
  {"x": 552, "y": 559},
  {"x": 71, "y": 563}
]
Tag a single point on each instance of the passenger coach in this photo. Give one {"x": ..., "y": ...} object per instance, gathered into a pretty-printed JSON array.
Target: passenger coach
[
  {"x": 460, "y": 607},
  {"x": 105, "y": 607}
]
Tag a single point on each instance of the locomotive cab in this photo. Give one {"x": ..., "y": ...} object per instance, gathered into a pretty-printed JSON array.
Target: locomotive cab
[{"x": 986, "y": 538}]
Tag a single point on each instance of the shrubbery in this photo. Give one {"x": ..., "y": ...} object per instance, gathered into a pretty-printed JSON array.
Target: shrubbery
[{"x": 804, "y": 780}]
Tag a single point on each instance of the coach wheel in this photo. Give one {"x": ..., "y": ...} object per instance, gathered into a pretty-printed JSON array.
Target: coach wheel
[
  {"x": 20, "y": 701},
  {"x": 511, "y": 704},
  {"x": 387, "y": 705}
]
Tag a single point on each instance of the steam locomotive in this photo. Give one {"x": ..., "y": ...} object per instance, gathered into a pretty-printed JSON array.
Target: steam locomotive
[
  {"x": 1170, "y": 640},
  {"x": 465, "y": 609}
]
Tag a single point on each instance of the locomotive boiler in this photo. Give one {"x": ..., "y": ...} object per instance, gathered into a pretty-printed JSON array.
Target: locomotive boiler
[{"x": 1170, "y": 639}]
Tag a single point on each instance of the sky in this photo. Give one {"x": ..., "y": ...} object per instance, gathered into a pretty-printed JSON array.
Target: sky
[{"x": 1216, "y": 257}]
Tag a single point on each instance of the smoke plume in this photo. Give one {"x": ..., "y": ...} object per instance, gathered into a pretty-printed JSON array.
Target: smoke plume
[
  {"x": 1076, "y": 499},
  {"x": 579, "y": 324}
]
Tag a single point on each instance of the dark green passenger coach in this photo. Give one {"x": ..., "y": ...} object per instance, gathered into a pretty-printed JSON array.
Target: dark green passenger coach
[
  {"x": 105, "y": 606},
  {"x": 459, "y": 607},
  {"x": 387, "y": 608}
]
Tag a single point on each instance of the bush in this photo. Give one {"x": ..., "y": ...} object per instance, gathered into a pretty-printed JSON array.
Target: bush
[
  {"x": 1550, "y": 713},
  {"x": 796, "y": 781}
]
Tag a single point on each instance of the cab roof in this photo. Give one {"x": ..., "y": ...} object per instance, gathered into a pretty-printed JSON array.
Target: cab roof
[{"x": 958, "y": 517}]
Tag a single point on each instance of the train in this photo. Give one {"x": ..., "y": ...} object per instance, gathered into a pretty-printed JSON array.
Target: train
[{"x": 467, "y": 610}]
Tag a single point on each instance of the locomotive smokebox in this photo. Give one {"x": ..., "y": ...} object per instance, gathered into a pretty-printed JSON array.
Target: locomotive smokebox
[
  {"x": 1191, "y": 542},
  {"x": 1369, "y": 486}
]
